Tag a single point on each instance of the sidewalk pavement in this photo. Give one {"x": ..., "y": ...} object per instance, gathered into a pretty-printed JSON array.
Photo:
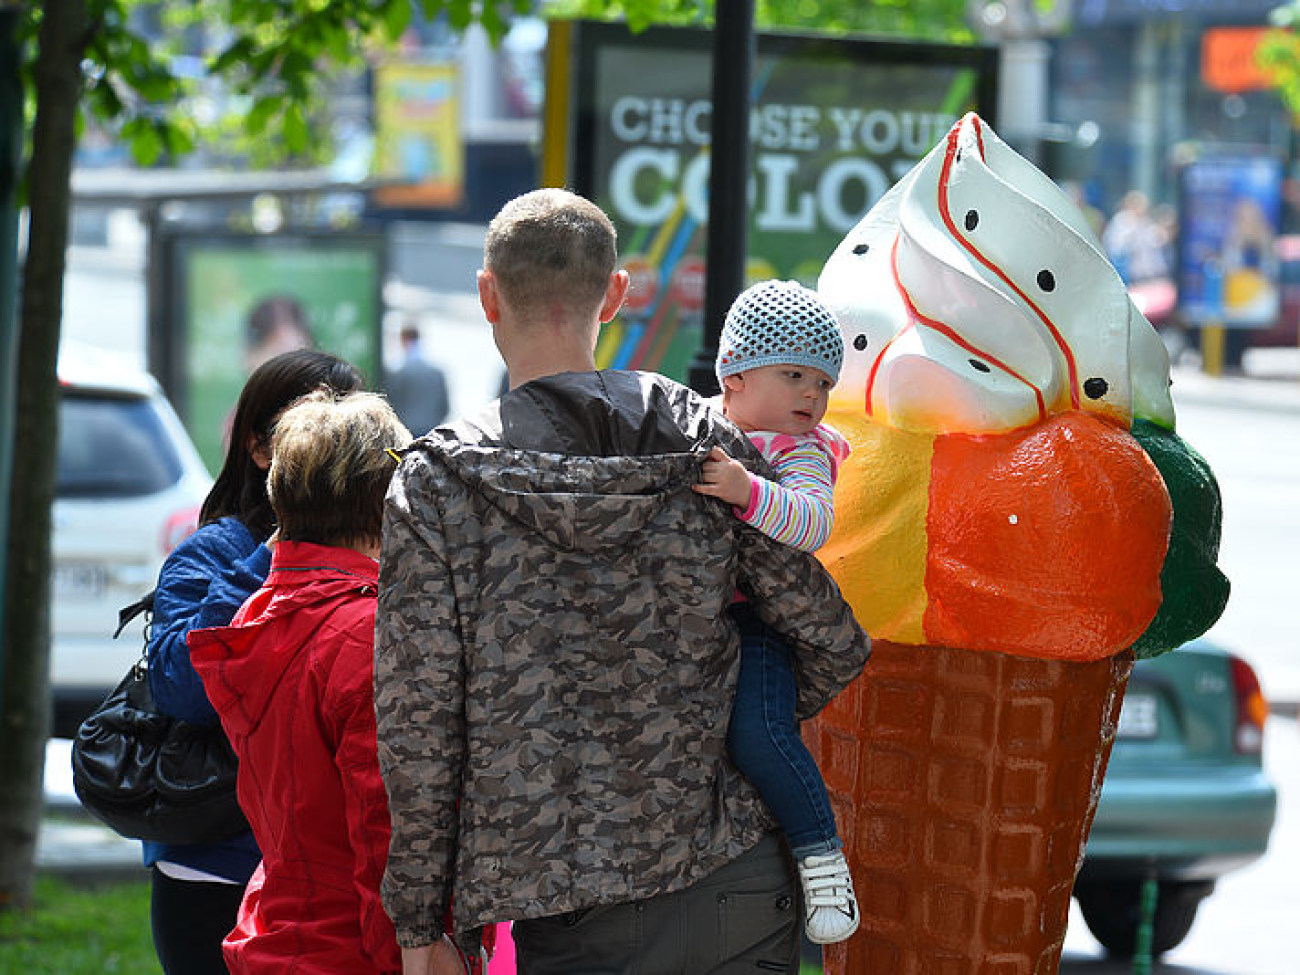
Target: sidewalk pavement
[{"x": 1268, "y": 380}]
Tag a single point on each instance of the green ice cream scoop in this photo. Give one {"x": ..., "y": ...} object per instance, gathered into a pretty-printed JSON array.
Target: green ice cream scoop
[{"x": 1195, "y": 591}]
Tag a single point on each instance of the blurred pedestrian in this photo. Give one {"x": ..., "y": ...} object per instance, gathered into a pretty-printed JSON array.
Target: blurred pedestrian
[
  {"x": 417, "y": 388},
  {"x": 1095, "y": 219},
  {"x": 1133, "y": 241},
  {"x": 554, "y": 665},
  {"x": 197, "y": 888}
]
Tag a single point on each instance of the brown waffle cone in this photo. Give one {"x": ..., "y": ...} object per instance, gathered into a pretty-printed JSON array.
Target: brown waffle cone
[{"x": 964, "y": 784}]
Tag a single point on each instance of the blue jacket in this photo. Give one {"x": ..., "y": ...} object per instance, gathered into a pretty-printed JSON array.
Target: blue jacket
[{"x": 202, "y": 583}]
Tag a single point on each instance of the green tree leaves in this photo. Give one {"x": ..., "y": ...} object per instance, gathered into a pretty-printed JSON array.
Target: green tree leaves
[
  {"x": 943, "y": 20},
  {"x": 1278, "y": 55}
]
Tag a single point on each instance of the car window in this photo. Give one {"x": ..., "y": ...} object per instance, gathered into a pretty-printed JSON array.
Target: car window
[{"x": 112, "y": 447}]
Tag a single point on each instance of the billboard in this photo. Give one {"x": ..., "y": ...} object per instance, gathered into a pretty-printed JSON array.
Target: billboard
[
  {"x": 833, "y": 124},
  {"x": 235, "y": 300},
  {"x": 1230, "y": 212},
  {"x": 417, "y": 134}
]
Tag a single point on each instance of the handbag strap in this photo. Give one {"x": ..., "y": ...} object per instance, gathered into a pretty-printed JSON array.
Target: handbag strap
[{"x": 127, "y": 613}]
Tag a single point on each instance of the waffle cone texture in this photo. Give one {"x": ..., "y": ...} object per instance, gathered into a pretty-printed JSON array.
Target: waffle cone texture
[{"x": 964, "y": 784}]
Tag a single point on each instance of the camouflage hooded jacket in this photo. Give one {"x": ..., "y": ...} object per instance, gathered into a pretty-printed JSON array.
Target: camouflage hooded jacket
[{"x": 554, "y": 665}]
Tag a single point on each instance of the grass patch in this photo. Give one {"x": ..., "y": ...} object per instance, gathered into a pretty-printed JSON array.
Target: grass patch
[
  {"x": 79, "y": 931},
  {"x": 104, "y": 930}
]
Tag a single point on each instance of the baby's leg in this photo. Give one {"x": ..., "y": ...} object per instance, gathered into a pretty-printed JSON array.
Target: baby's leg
[{"x": 765, "y": 743}]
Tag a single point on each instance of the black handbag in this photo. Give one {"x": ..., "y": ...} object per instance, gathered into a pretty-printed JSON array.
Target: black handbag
[{"x": 148, "y": 775}]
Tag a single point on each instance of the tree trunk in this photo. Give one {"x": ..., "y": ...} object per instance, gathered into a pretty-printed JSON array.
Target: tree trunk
[{"x": 24, "y": 690}]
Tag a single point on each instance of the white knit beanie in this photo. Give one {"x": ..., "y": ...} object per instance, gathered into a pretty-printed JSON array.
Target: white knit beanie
[{"x": 779, "y": 323}]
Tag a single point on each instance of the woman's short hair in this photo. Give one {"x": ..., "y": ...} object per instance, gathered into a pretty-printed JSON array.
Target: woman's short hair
[
  {"x": 551, "y": 246},
  {"x": 240, "y": 487},
  {"x": 331, "y": 462}
]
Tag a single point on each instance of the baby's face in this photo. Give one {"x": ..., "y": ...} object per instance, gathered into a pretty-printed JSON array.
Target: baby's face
[{"x": 784, "y": 399}]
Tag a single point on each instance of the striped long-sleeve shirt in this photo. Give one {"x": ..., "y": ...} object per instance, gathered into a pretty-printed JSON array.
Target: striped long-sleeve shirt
[{"x": 797, "y": 509}]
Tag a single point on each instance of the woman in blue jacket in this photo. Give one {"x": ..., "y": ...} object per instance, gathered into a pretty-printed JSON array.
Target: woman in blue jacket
[{"x": 197, "y": 887}]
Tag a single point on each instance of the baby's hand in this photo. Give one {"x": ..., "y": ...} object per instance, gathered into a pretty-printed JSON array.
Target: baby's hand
[{"x": 725, "y": 479}]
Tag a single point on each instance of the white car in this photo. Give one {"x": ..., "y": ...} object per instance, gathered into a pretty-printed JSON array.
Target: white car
[{"x": 129, "y": 487}]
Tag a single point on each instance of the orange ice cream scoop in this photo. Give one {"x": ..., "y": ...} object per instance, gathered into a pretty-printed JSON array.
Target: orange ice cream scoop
[{"x": 1046, "y": 541}]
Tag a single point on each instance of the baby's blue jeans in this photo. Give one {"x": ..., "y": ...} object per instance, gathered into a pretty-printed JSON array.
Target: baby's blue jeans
[{"x": 765, "y": 744}]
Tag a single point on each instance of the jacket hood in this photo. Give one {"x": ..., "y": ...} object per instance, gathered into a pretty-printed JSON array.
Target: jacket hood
[
  {"x": 575, "y": 503},
  {"x": 586, "y": 460},
  {"x": 241, "y": 665}
]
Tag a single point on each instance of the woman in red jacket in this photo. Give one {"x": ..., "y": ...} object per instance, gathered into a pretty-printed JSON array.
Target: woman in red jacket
[{"x": 292, "y": 678}]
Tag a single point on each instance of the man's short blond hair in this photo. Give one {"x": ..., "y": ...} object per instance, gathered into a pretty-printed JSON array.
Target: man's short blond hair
[
  {"x": 551, "y": 246},
  {"x": 330, "y": 467}
]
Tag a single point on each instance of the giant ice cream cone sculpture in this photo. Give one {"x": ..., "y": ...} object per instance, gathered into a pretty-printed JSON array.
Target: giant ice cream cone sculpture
[{"x": 1016, "y": 520}]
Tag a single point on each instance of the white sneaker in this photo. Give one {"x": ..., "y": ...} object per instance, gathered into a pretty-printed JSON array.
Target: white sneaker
[{"x": 831, "y": 909}]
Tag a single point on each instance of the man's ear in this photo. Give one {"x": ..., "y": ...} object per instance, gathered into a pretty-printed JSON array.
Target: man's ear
[
  {"x": 615, "y": 292},
  {"x": 488, "y": 296}
]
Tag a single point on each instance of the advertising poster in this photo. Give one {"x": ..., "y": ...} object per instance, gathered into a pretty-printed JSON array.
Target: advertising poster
[
  {"x": 1231, "y": 209},
  {"x": 236, "y": 301},
  {"x": 417, "y": 135},
  {"x": 834, "y": 124}
]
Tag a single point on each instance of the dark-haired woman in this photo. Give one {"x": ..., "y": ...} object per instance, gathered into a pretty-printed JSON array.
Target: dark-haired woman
[{"x": 197, "y": 888}]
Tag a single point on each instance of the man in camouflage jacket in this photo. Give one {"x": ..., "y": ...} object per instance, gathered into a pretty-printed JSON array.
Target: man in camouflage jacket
[{"x": 554, "y": 663}]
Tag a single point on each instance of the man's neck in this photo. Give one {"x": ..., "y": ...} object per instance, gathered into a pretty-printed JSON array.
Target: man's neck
[
  {"x": 525, "y": 371},
  {"x": 549, "y": 352}
]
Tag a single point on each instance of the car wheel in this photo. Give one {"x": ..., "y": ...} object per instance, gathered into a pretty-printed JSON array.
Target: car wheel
[{"x": 1112, "y": 910}]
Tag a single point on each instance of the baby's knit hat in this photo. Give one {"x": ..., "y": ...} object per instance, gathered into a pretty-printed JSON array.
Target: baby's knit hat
[{"x": 779, "y": 323}]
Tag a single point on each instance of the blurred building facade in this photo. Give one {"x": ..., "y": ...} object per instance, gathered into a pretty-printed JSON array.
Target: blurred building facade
[{"x": 1139, "y": 88}]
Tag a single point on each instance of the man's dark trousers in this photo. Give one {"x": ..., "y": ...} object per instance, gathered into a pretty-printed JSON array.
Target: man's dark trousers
[{"x": 744, "y": 917}]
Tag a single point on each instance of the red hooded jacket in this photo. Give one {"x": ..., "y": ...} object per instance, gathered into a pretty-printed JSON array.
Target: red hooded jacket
[{"x": 292, "y": 679}]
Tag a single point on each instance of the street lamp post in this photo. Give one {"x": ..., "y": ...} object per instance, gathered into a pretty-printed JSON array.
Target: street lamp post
[
  {"x": 1021, "y": 29},
  {"x": 728, "y": 239}
]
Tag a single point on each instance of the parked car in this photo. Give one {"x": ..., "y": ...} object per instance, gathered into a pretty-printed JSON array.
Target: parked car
[
  {"x": 1185, "y": 798},
  {"x": 129, "y": 487}
]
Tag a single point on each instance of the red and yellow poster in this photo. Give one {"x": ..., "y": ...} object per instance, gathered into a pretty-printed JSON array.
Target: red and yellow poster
[{"x": 418, "y": 138}]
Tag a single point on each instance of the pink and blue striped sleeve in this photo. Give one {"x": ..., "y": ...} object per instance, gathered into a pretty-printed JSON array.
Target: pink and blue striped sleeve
[{"x": 798, "y": 511}]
